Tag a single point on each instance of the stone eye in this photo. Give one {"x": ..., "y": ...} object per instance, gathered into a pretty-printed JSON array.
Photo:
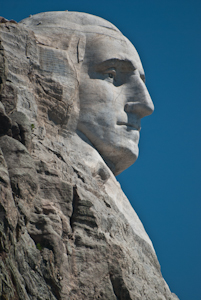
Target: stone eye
[{"x": 110, "y": 74}]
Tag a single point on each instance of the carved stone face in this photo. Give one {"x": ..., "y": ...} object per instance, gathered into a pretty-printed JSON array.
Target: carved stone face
[{"x": 113, "y": 99}]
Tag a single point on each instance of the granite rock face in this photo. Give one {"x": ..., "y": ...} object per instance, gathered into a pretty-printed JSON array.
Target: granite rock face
[{"x": 67, "y": 231}]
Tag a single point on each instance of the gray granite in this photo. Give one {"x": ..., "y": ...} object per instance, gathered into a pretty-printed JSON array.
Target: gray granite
[{"x": 72, "y": 97}]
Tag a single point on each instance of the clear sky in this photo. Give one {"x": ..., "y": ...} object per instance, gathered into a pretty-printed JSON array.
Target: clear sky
[{"x": 164, "y": 185}]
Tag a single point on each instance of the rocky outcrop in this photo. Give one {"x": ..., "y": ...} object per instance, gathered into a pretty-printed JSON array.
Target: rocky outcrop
[{"x": 67, "y": 231}]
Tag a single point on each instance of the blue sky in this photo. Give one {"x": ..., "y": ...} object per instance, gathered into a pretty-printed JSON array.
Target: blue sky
[{"x": 164, "y": 184}]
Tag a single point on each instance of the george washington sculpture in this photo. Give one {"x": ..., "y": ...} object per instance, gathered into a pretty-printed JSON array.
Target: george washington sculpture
[{"x": 73, "y": 95}]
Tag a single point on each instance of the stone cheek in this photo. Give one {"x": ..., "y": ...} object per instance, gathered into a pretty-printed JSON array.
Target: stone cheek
[{"x": 64, "y": 228}]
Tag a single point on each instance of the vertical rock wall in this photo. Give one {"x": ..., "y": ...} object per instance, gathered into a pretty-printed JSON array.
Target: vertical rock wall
[{"x": 62, "y": 232}]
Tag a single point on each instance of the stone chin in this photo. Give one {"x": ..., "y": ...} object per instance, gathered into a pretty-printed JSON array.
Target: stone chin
[
  {"x": 117, "y": 150},
  {"x": 124, "y": 160}
]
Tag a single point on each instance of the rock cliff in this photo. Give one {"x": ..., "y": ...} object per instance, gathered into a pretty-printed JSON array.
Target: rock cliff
[{"x": 67, "y": 231}]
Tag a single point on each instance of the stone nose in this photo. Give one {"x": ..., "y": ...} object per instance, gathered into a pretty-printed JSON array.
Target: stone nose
[{"x": 140, "y": 102}]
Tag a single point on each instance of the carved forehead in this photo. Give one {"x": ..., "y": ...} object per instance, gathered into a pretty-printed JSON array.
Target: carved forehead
[
  {"x": 103, "y": 49},
  {"x": 62, "y": 28},
  {"x": 70, "y": 21}
]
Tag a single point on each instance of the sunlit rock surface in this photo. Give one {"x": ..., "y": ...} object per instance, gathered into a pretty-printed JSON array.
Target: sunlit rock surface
[{"x": 67, "y": 231}]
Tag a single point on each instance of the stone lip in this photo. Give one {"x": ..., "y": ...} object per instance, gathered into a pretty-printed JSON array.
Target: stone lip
[{"x": 67, "y": 231}]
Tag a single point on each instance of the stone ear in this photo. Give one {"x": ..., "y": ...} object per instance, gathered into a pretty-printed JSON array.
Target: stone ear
[
  {"x": 76, "y": 48},
  {"x": 81, "y": 48}
]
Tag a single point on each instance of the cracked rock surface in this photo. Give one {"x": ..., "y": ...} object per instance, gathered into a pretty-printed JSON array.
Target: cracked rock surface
[{"x": 67, "y": 231}]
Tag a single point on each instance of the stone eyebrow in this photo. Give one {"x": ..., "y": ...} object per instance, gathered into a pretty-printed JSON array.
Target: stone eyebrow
[{"x": 124, "y": 64}]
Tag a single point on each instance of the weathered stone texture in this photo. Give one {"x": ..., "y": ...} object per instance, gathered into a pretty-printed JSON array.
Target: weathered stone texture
[{"x": 62, "y": 233}]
